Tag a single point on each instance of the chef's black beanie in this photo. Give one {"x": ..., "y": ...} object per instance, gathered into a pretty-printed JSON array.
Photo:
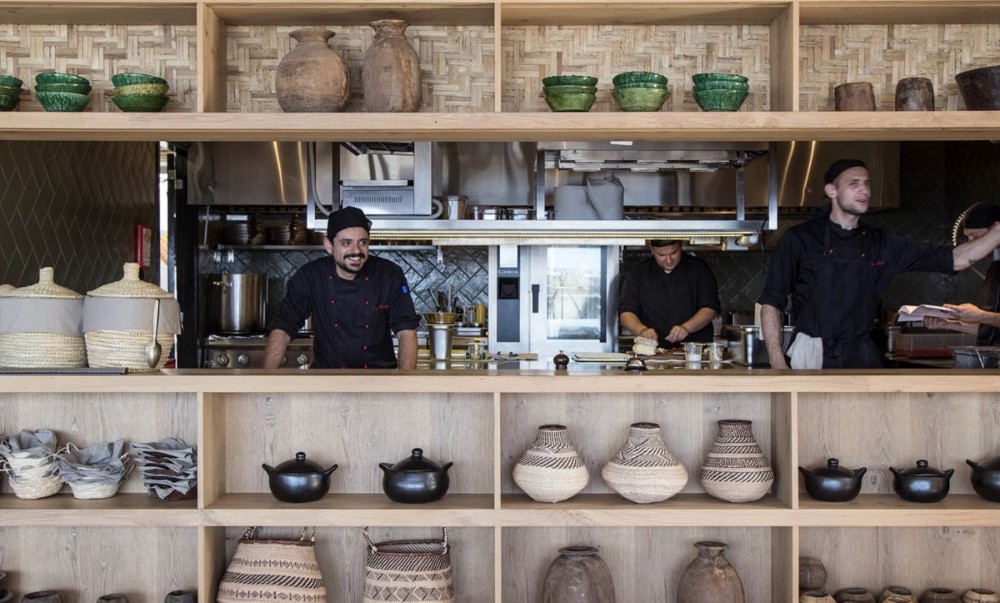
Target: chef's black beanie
[
  {"x": 349, "y": 217},
  {"x": 839, "y": 167},
  {"x": 982, "y": 216}
]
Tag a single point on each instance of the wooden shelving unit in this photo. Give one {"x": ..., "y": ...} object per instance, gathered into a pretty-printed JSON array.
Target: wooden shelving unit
[{"x": 483, "y": 421}]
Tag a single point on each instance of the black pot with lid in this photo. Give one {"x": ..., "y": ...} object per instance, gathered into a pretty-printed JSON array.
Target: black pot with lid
[
  {"x": 831, "y": 482},
  {"x": 922, "y": 484},
  {"x": 299, "y": 480},
  {"x": 985, "y": 478},
  {"x": 415, "y": 479}
]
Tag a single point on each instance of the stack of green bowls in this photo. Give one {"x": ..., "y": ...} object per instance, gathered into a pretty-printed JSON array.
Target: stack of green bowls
[
  {"x": 139, "y": 92},
  {"x": 570, "y": 92},
  {"x": 720, "y": 91},
  {"x": 62, "y": 92},
  {"x": 640, "y": 90},
  {"x": 10, "y": 92}
]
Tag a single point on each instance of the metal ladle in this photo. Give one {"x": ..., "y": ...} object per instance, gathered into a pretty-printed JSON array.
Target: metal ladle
[{"x": 153, "y": 348}]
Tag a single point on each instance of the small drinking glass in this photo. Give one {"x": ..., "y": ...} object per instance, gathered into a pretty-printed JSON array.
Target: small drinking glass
[
  {"x": 692, "y": 351},
  {"x": 715, "y": 350}
]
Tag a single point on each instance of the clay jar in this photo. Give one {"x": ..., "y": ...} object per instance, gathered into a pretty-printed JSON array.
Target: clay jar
[
  {"x": 940, "y": 595},
  {"x": 980, "y": 595},
  {"x": 812, "y": 574},
  {"x": 312, "y": 78},
  {"x": 710, "y": 578},
  {"x": 854, "y": 594},
  {"x": 897, "y": 594},
  {"x": 854, "y": 96},
  {"x": 578, "y": 575},
  {"x": 391, "y": 72},
  {"x": 914, "y": 94}
]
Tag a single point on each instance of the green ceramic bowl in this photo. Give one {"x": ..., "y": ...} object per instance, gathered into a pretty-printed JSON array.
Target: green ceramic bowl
[
  {"x": 722, "y": 85},
  {"x": 719, "y": 100},
  {"x": 640, "y": 99},
  {"x": 643, "y": 85},
  {"x": 149, "y": 103},
  {"x": 74, "y": 88},
  {"x": 60, "y": 78},
  {"x": 9, "y": 81},
  {"x": 570, "y": 80},
  {"x": 62, "y": 101},
  {"x": 570, "y": 102},
  {"x": 716, "y": 77},
  {"x": 127, "y": 79},
  {"x": 568, "y": 89},
  {"x": 9, "y": 102},
  {"x": 632, "y": 77},
  {"x": 154, "y": 89},
  {"x": 11, "y": 90}
]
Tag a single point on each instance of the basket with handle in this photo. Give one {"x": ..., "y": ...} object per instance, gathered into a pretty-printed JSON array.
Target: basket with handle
[
  {"x": 273, "y": 569},
  {"x": 408, "y": 570}
]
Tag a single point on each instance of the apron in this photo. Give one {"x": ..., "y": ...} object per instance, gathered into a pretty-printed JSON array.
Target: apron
[{"x": 837, "y": 273}]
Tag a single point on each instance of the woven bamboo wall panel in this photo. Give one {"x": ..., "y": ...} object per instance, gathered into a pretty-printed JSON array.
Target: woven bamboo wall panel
[
  {"x": 884, "y": 54},
  {"x": 678, "y": 52},
  {"x": 456, "y": 63},
  {"x": 99, "y": 51}
]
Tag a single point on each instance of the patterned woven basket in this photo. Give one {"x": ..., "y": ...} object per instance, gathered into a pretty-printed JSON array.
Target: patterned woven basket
[
  {"x": 273, "y": 569},
  {"x": 408, "y": 570},
  {"x": 43, "y": 350},
  {"x": 127, "y": 348}
]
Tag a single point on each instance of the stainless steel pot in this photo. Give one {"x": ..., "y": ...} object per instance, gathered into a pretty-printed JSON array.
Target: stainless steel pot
[
  {"x": 236, "y": 303},
  {"x": 746, "y": 344}
]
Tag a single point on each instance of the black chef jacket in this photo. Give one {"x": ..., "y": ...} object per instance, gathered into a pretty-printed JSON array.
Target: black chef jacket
[
  {"x": 663, "y": 301},
  {"x": 836, "y": 276},
  {"x": 353, "y": 321}
]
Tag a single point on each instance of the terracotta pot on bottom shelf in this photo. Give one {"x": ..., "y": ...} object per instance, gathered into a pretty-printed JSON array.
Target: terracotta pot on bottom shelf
[
  {"x": 980, "y": 595},
  {"x": 710, "y": 578},
  {"x": 812, "y": 574},
  {"x": 897, "y": 594},
  {"x": 816, "y": 596},
  {"x": 940, "y": 595},
  {"x": 854, "y": 594},
  {"x": 578, "y": 575}
]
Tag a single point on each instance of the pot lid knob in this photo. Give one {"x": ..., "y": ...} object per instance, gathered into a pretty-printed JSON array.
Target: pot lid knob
[
  {"x": 416, "y": 462},
  {"x": 299, "y": 465}
]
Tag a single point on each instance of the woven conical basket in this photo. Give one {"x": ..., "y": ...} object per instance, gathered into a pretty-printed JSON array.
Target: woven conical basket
[
  {"x": 127, "y": 348},
  {"x": 40, "y": 349}
]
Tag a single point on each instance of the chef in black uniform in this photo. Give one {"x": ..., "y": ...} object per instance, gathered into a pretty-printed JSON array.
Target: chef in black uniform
[
  {"x": 670, "y": 297},
  {"x": 357, "y": 301},
  {"x": 983, "y": 320},
  {"x": 835, "y": 268}
]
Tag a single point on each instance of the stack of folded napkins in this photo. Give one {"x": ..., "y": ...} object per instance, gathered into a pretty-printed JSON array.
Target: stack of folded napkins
[{"x": 169, "y": 468}]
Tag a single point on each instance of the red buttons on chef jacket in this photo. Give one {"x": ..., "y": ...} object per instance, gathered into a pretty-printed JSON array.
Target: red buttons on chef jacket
[
  {"x": 336, "y": 325},
  {"x": 366, "y": 326},
  {"x": 364, "y": 347},
  {"x": 366, "y": 302}
]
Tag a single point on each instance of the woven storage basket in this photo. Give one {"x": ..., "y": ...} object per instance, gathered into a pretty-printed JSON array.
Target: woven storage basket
[
  {"x": 273, "y": 570},
  {"x": 36, "y": 487},
  {"x": 127, "y": 348},
  {"x": 94, "y": 490},
  {"x": 42, "y": 349},
  {"x": 408, "y": 570}
]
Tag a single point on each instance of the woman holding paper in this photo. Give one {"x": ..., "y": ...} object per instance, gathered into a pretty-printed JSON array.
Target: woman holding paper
[{"x": 982, "y": 320}]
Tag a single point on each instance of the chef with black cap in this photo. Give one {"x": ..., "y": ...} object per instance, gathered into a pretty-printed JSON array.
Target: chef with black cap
[
  {"x": 983, "y": 320},
  {"x": 356, "y": 301},
  {"x": 834, "y": 269}
]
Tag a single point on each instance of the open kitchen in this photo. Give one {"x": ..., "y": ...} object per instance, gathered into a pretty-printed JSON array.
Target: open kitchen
[{"x": 541, "y": 430}]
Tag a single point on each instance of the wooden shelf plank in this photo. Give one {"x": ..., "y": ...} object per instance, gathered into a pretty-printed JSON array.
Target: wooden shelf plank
[
  {"x": 138, "y": 510},
  {"x": 641, "y": 12},
  {"x": 888, "y": 510},
  {"x": 98, "y": 12},
  {"x": 351, "y": 510},
  {"x": 663, "y": 126},
  {"x": 881, "y": 12},
  {"x": 326, "y": 12}
]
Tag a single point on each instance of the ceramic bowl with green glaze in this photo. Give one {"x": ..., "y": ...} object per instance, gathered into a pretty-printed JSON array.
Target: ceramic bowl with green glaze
[
  {"x": 640, "y": 99},
  {"x": 11, "y": 90},
  {"x": 722, "y": 85},
  {"x": 717, "y": 77},
  {"x": 74, "y": 88},
  {"x": 569, "y": 89},
  {"x": 155, "y": 89},
  {"x": 127, "y": 79},
  {"x": 149, "y": 103},
  {"x": 569, "y": 80},
  {"x": 719, "y": 100},
  {"x": 633, "y": 77},
  {"x": 9, "y": 81},
  {"x": 9, "y": 102},
  {"x": 62, "y": 101},
  {"x": 570, "y": 102},
  {"x": 53, "y": 77},
  {"x": 643, "y": 85}
]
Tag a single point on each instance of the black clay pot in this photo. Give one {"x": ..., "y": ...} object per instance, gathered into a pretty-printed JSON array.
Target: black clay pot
[
  {"x": 832, "y": 483},
  {"x": 298, "y": 480},
  {"x": 986, "y": 478},
  {"x": 415, "y": 479},
  {"x": 922, "y": 484}
]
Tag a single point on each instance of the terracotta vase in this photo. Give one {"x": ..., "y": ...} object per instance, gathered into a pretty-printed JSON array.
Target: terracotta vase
[
  {"x": 940, "y": 595},
  {"x": 914, "y": 94},
  {"x": 578, "y": 575},
  {"x": 812, "y": 574},
  {"x": 312, "y": 78},
  {"x": 736, "y": 469},
  {"x": 854, "y": 594},
  {"x": 980, "y": 595},
  {"x": 897, "y": 594},
  {"x": 551, "y": 470},
  {"x": 391, "y": 72},
  {"x": 854, "y": 96},
  {"x": 710, "y": 578},
  {"x": 643, "y": 470},
  {"x": 816, "y": 596}
]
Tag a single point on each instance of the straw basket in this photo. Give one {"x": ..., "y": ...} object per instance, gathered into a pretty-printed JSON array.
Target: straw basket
[
  {"x": 408, "y": 570},
  {"x": 42, "y": 349},
  {"x": 126, "y": 348},
  {"x": 94, "y": 490},
  {"x": 32, "y": 488},
  {"x": 551, "y": 470}
]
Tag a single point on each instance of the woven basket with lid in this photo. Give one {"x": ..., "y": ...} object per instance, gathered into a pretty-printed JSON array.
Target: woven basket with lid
[
  {"x": 126, "y": 348},
  {"x": 34, "y": 345}
]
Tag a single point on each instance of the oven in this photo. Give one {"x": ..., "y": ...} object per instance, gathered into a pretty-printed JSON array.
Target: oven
[{"x": 241, "y": 352}]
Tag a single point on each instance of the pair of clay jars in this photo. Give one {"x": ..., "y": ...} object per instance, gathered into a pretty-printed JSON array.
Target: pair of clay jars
[{"x": 313, "y": 77}]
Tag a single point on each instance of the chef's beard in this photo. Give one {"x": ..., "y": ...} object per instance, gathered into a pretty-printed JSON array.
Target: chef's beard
[{"x": 343, "y": 265}]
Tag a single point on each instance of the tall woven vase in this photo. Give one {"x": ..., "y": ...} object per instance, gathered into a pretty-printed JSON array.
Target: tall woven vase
[
  {"x": 578, "y": 575},
  {"x": 312, "y": 78},
  {"x": 551, "y": 470},
  {"x": 644, "y": 471},
  {"x": 736, "y": 469},
  {"x": 710, "y": 578},
  {"x": 391, "y": 72}
]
